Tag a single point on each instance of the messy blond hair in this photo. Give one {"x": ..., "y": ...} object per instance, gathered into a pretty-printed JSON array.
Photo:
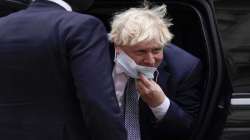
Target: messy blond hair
[{"x": 137, "y": 25}]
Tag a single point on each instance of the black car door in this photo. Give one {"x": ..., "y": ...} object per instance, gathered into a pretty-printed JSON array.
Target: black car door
[
  {"x": 195, "y": 30},
  {"x": 233, "y": 21}
]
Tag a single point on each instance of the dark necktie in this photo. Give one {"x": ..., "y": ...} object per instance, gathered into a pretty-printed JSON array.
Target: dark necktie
[{"x": 131, "y": 113}]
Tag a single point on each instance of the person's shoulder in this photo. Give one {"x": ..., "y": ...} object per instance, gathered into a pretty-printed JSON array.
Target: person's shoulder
[
  {"x": 76, "y": 22},
  {"x": 179, "y": 61},
  {"x": 79, "y": 17},
  {"x": 173, "y": 52}
]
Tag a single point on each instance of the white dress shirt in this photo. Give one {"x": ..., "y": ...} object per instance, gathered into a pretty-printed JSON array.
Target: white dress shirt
[
  {"x": 62, "y": 3},
  {"x": 120, "y": 81}
]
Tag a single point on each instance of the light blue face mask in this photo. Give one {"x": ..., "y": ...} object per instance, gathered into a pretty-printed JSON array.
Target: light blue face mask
[{"x": 132, "y": 69}]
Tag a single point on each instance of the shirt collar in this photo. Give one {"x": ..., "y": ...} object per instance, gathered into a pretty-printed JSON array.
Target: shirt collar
[{"x": 62, "y": 3}]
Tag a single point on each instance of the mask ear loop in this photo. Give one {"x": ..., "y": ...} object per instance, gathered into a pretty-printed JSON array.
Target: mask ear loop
[
  {"x": 115, "y": 57},
  {"x": 156, "y": 77}
]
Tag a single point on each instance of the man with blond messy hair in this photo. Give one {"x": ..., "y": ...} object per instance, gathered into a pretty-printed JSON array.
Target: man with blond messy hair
[{"x": 166, "y": 78}]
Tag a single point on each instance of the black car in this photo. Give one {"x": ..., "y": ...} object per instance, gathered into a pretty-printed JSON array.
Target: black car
[
  {"x": 196, "y": 30},
  {"x": 233, "y": 21}
]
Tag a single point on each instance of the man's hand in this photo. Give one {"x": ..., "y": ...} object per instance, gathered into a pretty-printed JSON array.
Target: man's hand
[{"x": 150, "y": 91}]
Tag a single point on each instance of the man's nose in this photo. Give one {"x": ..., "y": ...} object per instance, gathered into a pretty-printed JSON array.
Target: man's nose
[{"x": 149, "y": 60}]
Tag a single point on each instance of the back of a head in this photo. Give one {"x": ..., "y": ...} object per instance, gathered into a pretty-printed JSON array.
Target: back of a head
[
  {"x": 141, "y": 24},
  {"x": 18, "y": 3},
  {"x": 10, "y": 6},
  {"x": 80, "y": 5}
]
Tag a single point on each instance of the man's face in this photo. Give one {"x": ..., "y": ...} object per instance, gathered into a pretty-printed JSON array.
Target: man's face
[{"x": 148, "y": 54}]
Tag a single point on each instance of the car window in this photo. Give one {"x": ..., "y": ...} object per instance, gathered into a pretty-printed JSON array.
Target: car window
[{"x": 233, "y": 18}]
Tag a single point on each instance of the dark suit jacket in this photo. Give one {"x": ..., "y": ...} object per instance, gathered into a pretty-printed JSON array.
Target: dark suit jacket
[
  {"x": 180, "y": 79},
  {"x": 55, "y": 77}
]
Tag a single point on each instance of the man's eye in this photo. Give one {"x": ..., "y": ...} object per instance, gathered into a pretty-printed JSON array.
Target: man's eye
[
  {"x": 158, "y": 50},
  {"x": 141, "y": 51}
]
